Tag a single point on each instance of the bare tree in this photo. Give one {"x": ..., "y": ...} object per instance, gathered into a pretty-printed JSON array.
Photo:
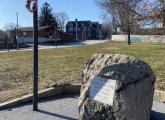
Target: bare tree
[
  {"x": 128, "y": 15},
  {"x": 162, "y": 2},
  {"x": 11, "y": 26},
  {"x": 107, "y": 29},
  {"x": 62, "y": 19},
  {"x": 160, "y": 12}
]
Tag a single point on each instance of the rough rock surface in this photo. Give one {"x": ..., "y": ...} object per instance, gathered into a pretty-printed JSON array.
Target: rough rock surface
[{"x": 134, "y": 93}]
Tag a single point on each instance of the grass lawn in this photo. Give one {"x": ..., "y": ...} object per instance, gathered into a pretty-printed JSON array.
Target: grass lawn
[{"x": 67, "y": 64}]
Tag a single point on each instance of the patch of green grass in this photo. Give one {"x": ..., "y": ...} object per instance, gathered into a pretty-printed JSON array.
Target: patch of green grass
[{"x": 67, "y": 64}]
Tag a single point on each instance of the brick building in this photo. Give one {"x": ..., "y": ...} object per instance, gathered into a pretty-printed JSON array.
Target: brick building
[{"x": 45, "y": 34}]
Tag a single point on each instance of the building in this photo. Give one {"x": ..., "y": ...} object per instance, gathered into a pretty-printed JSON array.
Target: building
[
  {"x": 2, "y": 36},
  {"x": 45, "y": 34},
  {"x": 86, "y": 30}
]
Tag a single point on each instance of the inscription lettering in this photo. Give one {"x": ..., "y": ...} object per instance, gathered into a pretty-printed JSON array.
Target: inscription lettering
[{"x": 102, "y": 90}]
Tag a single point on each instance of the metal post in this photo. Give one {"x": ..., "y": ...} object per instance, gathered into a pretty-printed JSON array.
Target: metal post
[
  {"x": 7, "y": 45},
  {"x": 99, "y": 36},
  {"x": 7, "y": 42},
  {"x": 55, "y": 39},
  {"x": 17, "y": 33},
  {"x": 76, "y": 29},
  {"x": 35, "y": 59}
]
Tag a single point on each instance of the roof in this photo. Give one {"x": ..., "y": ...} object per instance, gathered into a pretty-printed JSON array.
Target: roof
[
  {"x": 29, "y": 29},
  {"x": 79, "y": 21},
  {"x": 85, "y": 21},
  {"x": 95, "y": 22}
]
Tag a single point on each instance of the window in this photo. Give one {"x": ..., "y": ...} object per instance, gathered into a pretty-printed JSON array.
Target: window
[{"x": 69, "y": 29}]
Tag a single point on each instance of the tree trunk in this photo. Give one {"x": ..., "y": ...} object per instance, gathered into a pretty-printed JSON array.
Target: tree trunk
[{"x": 129, "y": 38}]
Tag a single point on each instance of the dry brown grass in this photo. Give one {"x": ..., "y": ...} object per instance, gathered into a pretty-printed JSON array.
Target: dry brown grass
[{"x": 67, "y": 64}]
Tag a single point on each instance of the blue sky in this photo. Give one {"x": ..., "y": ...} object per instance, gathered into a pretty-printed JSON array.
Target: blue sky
[{"x": 81, "y": 9}]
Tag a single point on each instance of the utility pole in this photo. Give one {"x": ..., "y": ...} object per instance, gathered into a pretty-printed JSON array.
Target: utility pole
[
  {"x": 34, "y": 10},
  {"x": 84, "y": 29},
  {"x": 17, "y": 36}
]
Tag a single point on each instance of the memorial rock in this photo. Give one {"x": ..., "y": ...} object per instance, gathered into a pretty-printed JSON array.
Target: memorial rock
[{"x": 116, "y": 87}]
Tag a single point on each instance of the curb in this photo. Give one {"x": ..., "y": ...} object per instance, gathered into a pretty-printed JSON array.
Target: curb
[
  {"x": 71, "y": 88},
  {"x": 159, "y": 96}
]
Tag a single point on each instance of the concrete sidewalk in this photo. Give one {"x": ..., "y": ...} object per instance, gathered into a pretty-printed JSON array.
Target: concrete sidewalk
[
  {"x": 61, "y": 108},
  {"x": 52, "y": 46}
]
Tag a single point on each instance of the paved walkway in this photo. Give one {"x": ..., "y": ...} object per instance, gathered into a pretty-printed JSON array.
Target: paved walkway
[
  {"x": 50, "y": 46},
  {"x": 50, "y": 109},
  {"x": 61, "y": 108}
]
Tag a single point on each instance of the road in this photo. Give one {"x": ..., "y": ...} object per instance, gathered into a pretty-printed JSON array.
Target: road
[
  {"x": 51, "y": 46},
  {"x": 61, "y": 108}
]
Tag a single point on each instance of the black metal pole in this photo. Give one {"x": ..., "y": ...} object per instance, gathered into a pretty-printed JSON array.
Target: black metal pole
[
  {"x": 7, "y": 45},
  {"x": 76, "y": 29},
  {"x": 35, "y": 58},
  {"x": 17, "y": 36}
]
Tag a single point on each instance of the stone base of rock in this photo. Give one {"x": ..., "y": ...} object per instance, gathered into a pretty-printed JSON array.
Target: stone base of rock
[{"x": 134, "y": 91}]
